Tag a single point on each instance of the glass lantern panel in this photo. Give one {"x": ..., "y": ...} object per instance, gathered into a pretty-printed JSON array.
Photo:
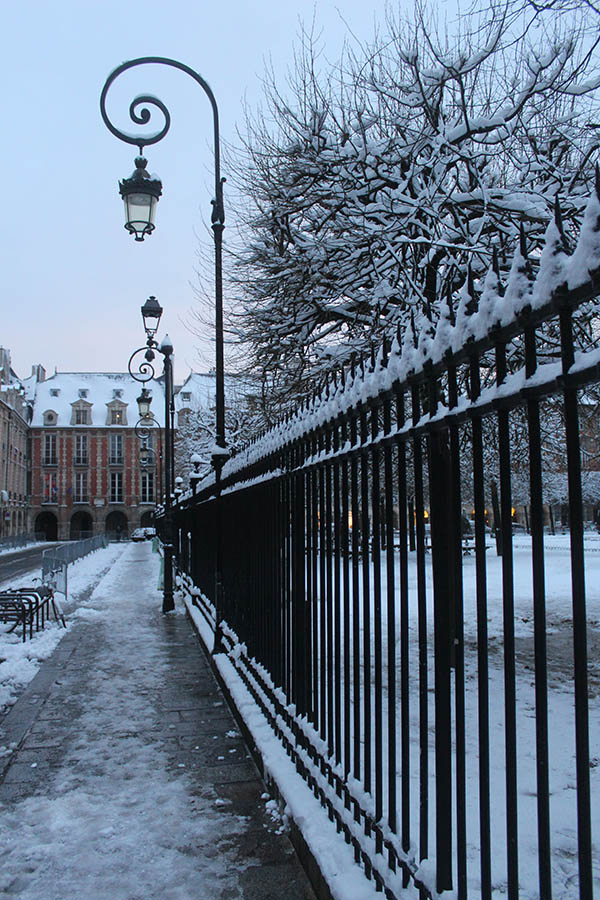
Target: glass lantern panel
[{"x": 138, "y": 208}]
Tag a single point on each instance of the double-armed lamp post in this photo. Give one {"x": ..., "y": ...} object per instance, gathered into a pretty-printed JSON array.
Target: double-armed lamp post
[
  {"x": 140, "y": 193},
  {"x": 142, "y": 369}
]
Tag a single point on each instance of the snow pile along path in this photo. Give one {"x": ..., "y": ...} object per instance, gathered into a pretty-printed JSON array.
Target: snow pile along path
[
  {"x": 110, "y": 817},
  {"x": 20, "y": 661}
]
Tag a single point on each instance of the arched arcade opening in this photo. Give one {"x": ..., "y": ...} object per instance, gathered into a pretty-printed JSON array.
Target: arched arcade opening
[
  {"x": 81, "y": 526},
  {"x": 46, "y": 524}
]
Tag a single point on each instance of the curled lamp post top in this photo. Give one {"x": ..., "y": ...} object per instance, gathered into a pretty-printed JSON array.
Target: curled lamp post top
[{"x": 140, "y": 113}]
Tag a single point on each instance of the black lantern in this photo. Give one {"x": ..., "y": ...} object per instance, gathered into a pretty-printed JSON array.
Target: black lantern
[
  {"x": 146, "y": 455},
  {"x": 143, "y": 402},
  {"x": 151, "y": 313},
  {"x": 140, "y": 195}
]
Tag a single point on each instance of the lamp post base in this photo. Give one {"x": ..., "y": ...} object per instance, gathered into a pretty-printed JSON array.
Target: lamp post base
[{"x": 168, "y": 601}]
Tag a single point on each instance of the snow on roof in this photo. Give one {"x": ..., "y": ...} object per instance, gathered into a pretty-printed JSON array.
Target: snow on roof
[
  {"x": 198, "y": 391},
  {"x": 99, "y": 389}
]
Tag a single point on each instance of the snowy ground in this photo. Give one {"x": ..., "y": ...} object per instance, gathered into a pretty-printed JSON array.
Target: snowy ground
[
  {"x": 111, "y": 820},
  {"x": 20, "y": 661}
]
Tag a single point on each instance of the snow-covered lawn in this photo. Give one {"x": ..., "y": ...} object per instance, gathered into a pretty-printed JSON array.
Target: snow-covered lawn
[{"x": 20, "y": 661}]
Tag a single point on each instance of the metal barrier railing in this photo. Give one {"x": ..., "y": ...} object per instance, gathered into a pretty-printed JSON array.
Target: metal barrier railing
[
  {"x": 20, "y": 540},
  {"x": 58, "y": 558}
]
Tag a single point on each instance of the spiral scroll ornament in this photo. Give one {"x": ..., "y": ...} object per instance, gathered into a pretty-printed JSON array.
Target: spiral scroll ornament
[
  {"x": 142, "y": 369},
  {"x": 139, "y": 116}
]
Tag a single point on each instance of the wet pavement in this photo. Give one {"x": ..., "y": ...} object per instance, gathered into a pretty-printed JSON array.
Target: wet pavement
[{"x": 124, "y": 762}]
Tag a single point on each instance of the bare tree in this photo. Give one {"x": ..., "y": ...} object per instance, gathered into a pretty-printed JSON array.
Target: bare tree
[{"x": 378, "y": 186}]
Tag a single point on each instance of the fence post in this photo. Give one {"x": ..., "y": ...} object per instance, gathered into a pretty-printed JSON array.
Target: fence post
[{"x": 440, "y": 479}]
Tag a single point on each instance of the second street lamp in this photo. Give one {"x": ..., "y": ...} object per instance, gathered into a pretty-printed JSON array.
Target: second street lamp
[{"x": 141, "y": 368}]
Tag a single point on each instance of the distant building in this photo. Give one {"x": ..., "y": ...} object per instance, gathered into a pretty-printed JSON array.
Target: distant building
[
  {"x": 86, "y": 476},
  {"x": 14, "y": 430}
]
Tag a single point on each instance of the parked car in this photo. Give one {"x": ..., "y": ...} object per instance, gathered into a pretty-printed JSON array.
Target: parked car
[{"x": 139, "y": 534}]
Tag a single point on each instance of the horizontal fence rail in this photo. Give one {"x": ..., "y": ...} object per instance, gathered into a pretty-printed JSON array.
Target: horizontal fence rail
[{"x": 406, "y": 574}]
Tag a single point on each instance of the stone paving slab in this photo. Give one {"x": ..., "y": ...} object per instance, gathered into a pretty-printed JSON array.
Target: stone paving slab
[{"x": 181, "y": 716}]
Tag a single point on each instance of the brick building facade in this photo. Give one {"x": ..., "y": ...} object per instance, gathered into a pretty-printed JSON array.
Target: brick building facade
[{"x": 86, "y": 475}]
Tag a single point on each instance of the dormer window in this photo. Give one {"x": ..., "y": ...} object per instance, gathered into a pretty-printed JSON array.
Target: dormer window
[
  {"x": 186, "y": 395},
  {"x": 83, "y": 392},
  {"x": 54, "y": 392},
  {"x": 116, "y": 413},
  {"x": 50, "y": 417},
  {"x": 81, "y": 413},
  {"x": 117, "y": 393}
]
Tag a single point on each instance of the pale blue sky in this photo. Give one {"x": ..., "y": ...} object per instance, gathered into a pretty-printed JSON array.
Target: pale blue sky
[{"x": 73, "y": 281}]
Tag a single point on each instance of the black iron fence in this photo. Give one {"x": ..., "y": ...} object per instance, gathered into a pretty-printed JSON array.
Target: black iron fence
[{"x": 433, "y": 694}]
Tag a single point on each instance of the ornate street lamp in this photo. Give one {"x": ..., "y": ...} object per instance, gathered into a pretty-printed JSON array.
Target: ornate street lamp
[
  {"x": 140, "y": 193},
  {"x": 143, "y": 402},
  {"x": 140, "y": 212},
  {"x": 143, "y": 370},
  {"x": 151, "y": 313}
]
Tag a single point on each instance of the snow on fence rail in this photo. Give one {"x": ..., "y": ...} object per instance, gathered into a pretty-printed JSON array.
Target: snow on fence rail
[{"x": 436, "y": 700}]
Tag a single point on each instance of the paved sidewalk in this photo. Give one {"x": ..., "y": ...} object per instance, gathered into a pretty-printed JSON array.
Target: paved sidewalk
[{"x": 130, "y": 779}]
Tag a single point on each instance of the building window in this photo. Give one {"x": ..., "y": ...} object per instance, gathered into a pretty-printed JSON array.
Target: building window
[
  {"x": 116, "y": 487},
  {"x": 50, "y": 458},
  {"x": 81, "y": 450},
  {"x": 83, "y": 392},
  {"x": 49, "y": 418},
  {"x": 81, "y": 417},
  {"x": 186, "y": 395},
  {"x": 147, "y": 487},
  {"x": 54, "y": 392},
  {"x": 117, "y": 417},
  {"x": 80, "y": 494},
  {"x": 116, "y": 449},
  {"x": 50, "y": 487}
]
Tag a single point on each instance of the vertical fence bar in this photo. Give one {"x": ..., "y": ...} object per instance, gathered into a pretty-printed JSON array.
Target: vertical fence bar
[
  {"x": 441, "y": 560},
  {"x": 329, "y": 599},
  {"x": 582, "y": 740},
  {"x": 356, "y": 681},
  {"x": 377, "y": 625},
  {"x": 345, "y": 537},
  {"x": 422, "y": 634},
  {"x": 391, "y": 621},
  {"x": 458, "y": 646},
  {"x": 365, "y": 537},
  {"x": 337, "y": 597},
  {"x": 483, "y": 700},
  {"x": 322, "y": 594},
  {"x": 539, "y": 617},
  {"x": 510, "y": 702},
  {"x": 314, "y": 519},
  {"x": 403, "y": 510}
]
